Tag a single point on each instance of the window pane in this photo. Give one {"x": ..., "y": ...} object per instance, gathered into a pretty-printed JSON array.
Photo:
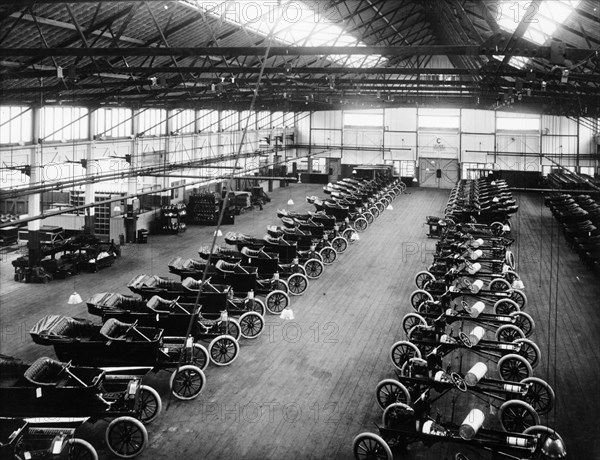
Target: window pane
[
  {"x": 517, "y": 124},
  {"x": 364, "y": 118}
]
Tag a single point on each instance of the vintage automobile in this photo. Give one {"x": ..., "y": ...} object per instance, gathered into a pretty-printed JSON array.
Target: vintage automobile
[{"x": 63, "y": 394}]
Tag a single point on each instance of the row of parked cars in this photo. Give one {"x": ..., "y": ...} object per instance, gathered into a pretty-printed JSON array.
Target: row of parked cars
[
  {"x": 170, "y": 325},
  {"x": 469, "y": 336}
]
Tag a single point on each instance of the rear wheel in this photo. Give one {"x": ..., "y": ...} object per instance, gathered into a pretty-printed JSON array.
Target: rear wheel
[
  {"x": 251, "y": 325},
  {"x": 368, "y": 217},
  {"x": 419, "y": 297},
  {"x": 187, "y": 382},
  {"x": 422, "y": 279},
  {"x": 529, "y": 350},
  {"x": 411, "y": 320},
  {"x": 499, "y": 284},
  {"x": 509, "y": 333},
  {"x": 524, "y": 322},
  {"x": 126, "y": 437},
  {"x": 519, "y": 298},
  {"x": 506, "y": 307}
]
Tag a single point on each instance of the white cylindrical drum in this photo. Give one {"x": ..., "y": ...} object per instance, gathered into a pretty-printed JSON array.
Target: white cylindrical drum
[
  {"x": 475, "y": 374},
  {"x": 476, "y": 286},
  {"x": 471, "y": 424},
  {"x": 427, "y": 426},
  {"x": 476, "y": 309},
  {"x": 251, "y": 294},
  {"x": 515, "y": 441},
  {"x": 476, "y": 254},
  {"x": 476, "y": 243},
  {"x": 476, "y": 335},
  {"x": 512, "y": 388},
  {"x": 474, "y": 268}
]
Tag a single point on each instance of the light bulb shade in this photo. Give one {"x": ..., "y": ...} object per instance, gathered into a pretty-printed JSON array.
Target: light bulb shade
[
  {"x": 414, "y": 179},
  {"x": 218, "y": 233},
  {"x": 389, "y": 207},
  {"x": 117, "y": 208},
  {"x": 554, "y": 447},
  {"x": 290, "y": 202},
  {"x": 74, "y": 299},
  {"x": 286, "y": 313}
]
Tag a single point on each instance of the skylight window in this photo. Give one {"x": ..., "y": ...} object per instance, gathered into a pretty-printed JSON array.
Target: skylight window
[
  {"x": 292, "y": 23},
  {"x": 542, "y": 22}
]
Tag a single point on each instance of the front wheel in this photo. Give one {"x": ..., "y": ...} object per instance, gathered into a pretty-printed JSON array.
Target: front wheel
[
  {"x": 509, "y": 333},
  {"x": 523, "y": 321},
  {"x": 276, "y": 302},
  {"x": 516, "y": 415},
  {"x": 360, "y": 224},
  {"x": 529, "y": 350},
  {"x": 255, "y": 305},
  {"x": 297, "y": 284},
  {"x": 251, "y": 325},
  {"x": 539, "y": 394},
  {"x": 314, "y": 268},
  {"x": 411, "y": 320},
  {"x": 328, "y": 254},
  {"x": 499, "y": 285},
  {"x": 423, "y": 278},
  {"x": 514, "y": 368},
  {"x": 80, "y": 449},
  {"x": 187, "y": 382},
  {"x": 126, "y": 437},
  {"x": 150, "y": 404},
  {"x": 390, "y": 391},
  {"x": 339, "y": 244},
  {"x": 419, "y": 297},
  {"x": 369, "y": 446},
  {"x": 506, "y": 307},
  {"x": 402, "y": 351},
  {"x": 223, "y": 350}
]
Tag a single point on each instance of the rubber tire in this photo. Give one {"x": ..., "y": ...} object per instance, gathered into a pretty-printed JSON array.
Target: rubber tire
[
  {"x": 193, "y": 371},
  {"x": 156, "y": 397},
  {"x": 339, "y": 244},
  {"x": 520, "y": 407},
  {"x": 513, "y": 357},
  {"x": 532, "y": 346},
  {"x": 366, "y": 445},
  {"x": 128, "y": 420},
  {"x": 297, "y": 284},
  {"x": 394, "y": 353},
  {"x": 507, "y": 333},
  {"x": 224, "y": 341},
  {"x": 275, "y": 300},
  {"x": 499, "y": 285},
  {"x": 415, "y": 318},
  {"x": 424, "y": 276},
  {"x": 545, "y": 408},
  {"x": 417, "y": 297},
  {"x": 527, "y": 324},
  {"x": 251, "y": 319},
  {"x": 233, "y": 328},
  {"x": 505, "y": 307},
  {"x": 258, "y": 306},
  {"x": 329, "y": 255},
  {"x": 78, "y": 443},
  {"x": 314, "y": 268},
  {"x": 396, "y": 388}
]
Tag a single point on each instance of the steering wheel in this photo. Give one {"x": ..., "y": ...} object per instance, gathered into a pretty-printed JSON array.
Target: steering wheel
[
  {"x": 464, "y": 305},
  {"x": 464, "y": 338},
  {"x": 458, "y": 382},
  {"x": 467, "y": 282}
]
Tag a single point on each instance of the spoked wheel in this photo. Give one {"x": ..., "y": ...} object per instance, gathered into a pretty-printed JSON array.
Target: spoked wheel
[
  {"x": 329, "y": 255},
  {"x": 411, "y": 320},
  {"x": 187, "y": 382},
  {"x": 509, "y": 333},
  {"x": 360, "y": 224},
  {"x": 150, "y": 404},
  {"x": 369, "y": 446},
  {"x": 516, "y": 416},
  {"x": 199, "y": 355},
  {"x": 496, "y": 228},
  {"x": 380, "y": 206},
  {"x": 499, "y": 284},
  {"x": 519, "y": 298},
  {"x": 276, "y": 301},
  {"x": 524, "y": 322},
  {"x": 339, "y": 244},
  {"x": 373, "y": 210},
  {"x": 403, "y": 351},
  {"x": 390, "y": 391},
  {"x": 349, "y": 234},
  {"x": 233, "y": 328},
  {"x": 251, "y": 325},
  {"x": 419, "y": 297},
  {"x": 396, "y": 413},
  {"x": 297, "y": 284},
  {"x": 368, "y": 217},
  {"x": 514, "y": 368},
  {"x": 539, "y": 395},
  {"x": 422, "y": 279},
  {"x": 506, "y": 307},
  {"x": 223, "y": 350},
  {"x": 529, "y": 350},
  {"x": 78, "y": 449},
  {"x": 126, "y": 437},
  {"x": 280, "y": 285},
  {"x": 255, "y": 305},
  {"x": 314, "y": 268}
]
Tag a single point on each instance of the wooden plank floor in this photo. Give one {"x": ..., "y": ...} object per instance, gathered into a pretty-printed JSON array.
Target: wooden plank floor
[{"x": 306, "y": 387}]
